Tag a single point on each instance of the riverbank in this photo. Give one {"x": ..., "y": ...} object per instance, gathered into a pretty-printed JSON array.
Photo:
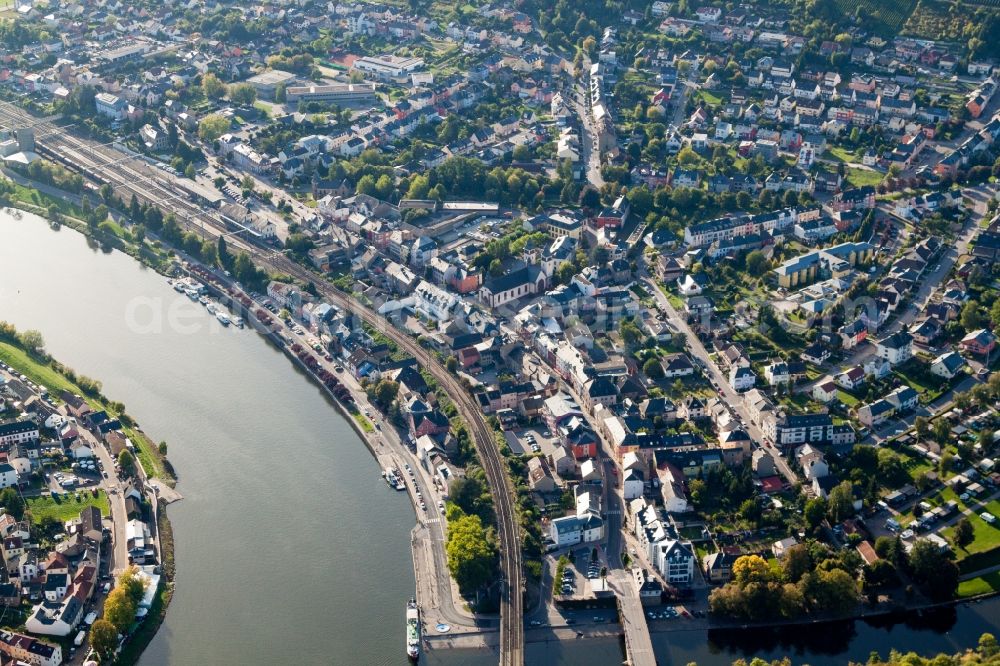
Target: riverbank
[{"x": 44, "y": 371}]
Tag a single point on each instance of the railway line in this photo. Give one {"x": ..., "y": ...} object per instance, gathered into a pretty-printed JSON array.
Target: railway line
[{"x": 126, "y": 176}]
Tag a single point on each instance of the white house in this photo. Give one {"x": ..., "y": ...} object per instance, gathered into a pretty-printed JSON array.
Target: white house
[
  {"x": 897, "y": 348},
  {"x": 825, "y": 392},
  {"x": 8, "y": 476},
  {"x": 947, "y": 365},
  {"x": 675, "y": 561},
  {"x": 55, "y": 619},
  {"x": 742, "y": 378}
]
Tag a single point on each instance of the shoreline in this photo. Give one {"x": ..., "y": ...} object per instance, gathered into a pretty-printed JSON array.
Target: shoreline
[
  {"x": 147, "y": 629},
  {"x": 470, "y": 638}
]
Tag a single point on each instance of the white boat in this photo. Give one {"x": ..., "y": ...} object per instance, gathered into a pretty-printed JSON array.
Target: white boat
[
  {"x": 192, "y": 294},
  {"x": 179, "y": 286},
  {"x": 222, "y": 317},
  {"x": 204, "y": 300},
  {"x": 238, "y": 321},
  {"x": 413, "y": 630},
  {"x": 390, "y": 477}
]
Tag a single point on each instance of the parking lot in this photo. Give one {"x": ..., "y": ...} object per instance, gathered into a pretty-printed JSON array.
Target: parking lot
[{"x": 531, "y": 440}]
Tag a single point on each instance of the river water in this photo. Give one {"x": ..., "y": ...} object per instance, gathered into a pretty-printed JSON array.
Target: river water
[{"x": 289, "y": 547}]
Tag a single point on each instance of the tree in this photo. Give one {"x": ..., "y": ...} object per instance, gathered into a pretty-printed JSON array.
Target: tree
[
  {"x": 451, "y": 365},
  {"x": 920, "y": 425},
  {"x": 471, "y": 551},
  {"x": 756, "y": 263},
  {"x": 971, "y": 319},
  {"x": 797, "y": 562},
  {"x": 880, "y": 575},
  {"x": 212, "y": 127},
  {"x": 162, "y": 448},
  {"x": 653, "y": 368},
  {"x": 933, "y": 570},
  {"x": 565, "y": 272},
  {"x": 133, "y": 584},
  {"x": 127, "y": 462},
  {"x": 814, "y": 512},
  {"x": 213, "y": 88},
  {"x": 242, "y": 94},
  {"x": 964, "y": 533},
  {"x": 281, "y": 93},
  {"x": 750, "y": 569},
  {"x": 189, "y": 171},
  {"x": 103, "y": 638},
  {"x": 33, "y": 341},
  {"x": 841, "y": 502},
  {"x": 11, "y": 500},
  {"x": 836, "y": 592},
  {"x": 385, "y": 392},
  {"x": 119, "y": 609}
]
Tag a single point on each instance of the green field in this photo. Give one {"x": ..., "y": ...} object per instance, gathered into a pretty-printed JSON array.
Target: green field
[
  {"x": 862, "y": 177},
  {"x": 883, "y": 17},
  {"x": 66, "y": 509},
  {"x": 365, "y": 424},
  {"x": 34, "y": 370},
  {"x": 982, "y": 585},
  {"x": 987, "y": 537}
]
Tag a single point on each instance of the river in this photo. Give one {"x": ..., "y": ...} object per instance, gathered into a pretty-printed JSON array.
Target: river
[{"x": 289, "y": 547}]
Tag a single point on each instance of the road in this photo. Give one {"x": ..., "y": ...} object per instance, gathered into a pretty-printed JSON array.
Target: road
[
  {"x": 732, "y": 398},
  {"x": 945, "y": 262},
  {"x": 128, "y": 178},
  {"x": 589, "y": 154}
]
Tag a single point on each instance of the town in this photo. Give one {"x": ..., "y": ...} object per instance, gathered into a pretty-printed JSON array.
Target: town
[
  {"x": 677, "y": 315},
  {"x": 79, "y": 519}
]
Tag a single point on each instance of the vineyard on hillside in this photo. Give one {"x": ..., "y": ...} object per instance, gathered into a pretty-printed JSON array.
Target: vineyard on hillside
[
  {"x": 958, "y": 22},
  {"x": 882, "y": 17}
]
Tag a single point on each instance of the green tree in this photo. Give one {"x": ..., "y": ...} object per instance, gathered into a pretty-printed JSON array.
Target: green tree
[
  {"x": 971, "y": 318},
  {"x": 653, "y": 368},
  {"x": 756, "y": 263},
  {"x": 104, "y": 639},
  {"x": 815, "y": 511},
  {"x": 119, "y": 609},
  {"x": 32, "y": 341},
  {"x": 933, "y": 570},
  {"x": 212, "y": 127},
  {"x": 841, "y": 502},
  {"x": 964, "y": 533},
  {"x": 127, "y": 462},
  {"x": 133, "y": 584},
  {"x": 797, "y": 562},
  {"x": 189, "y": 171},
  {"x": 212, "y": 86},
  {"x": 242, "y": 94},
  {"x": 385, "y": 392},
  {"x": 11, "y": 500},
  {"x": 281, "y": 93},
  {"x": 472, "y": 553}
]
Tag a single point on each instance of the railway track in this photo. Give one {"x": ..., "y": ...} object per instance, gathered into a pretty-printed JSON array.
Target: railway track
[{"x": 129, "y": 176}]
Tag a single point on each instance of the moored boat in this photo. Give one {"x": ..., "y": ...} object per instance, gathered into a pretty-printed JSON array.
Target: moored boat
[{"x": 413, "y": 630}]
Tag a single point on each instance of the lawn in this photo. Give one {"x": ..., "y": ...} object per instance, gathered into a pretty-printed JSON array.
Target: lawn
[
  {"x": 148, "y": 455},
  {"x": 710, "y": 98},
  {"x": 66, "y": 509},
  {"x": 838, "y": 154},
  {"x": 35, "y": 370},
  {"x": 365, "y": 424},
  {"x": 987, "y": 537},
  {"x": 862, "y": 177},
  {"x": 982, "y": 585},
  {"x": 849, "y": 400}
]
